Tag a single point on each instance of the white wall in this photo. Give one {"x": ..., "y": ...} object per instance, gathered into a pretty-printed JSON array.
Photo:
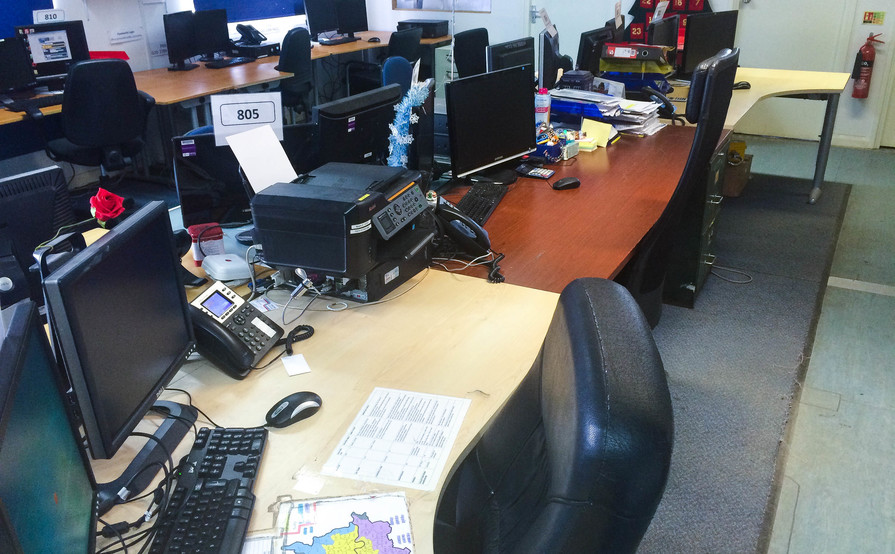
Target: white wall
[{"x": 506, "y": 21}]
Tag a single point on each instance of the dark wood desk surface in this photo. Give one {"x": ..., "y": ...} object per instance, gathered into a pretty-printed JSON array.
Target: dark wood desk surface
[{"x": 550, "y": 237}]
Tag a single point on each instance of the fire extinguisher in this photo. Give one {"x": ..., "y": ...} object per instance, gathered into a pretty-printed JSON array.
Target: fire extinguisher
[{"x": 864, "y": 67}]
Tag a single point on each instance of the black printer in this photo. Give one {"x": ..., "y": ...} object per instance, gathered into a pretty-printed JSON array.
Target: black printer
[{"x": 361, "y": 227}]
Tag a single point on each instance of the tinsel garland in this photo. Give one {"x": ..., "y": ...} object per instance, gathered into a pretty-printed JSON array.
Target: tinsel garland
[{"x": 400, "y": 137}]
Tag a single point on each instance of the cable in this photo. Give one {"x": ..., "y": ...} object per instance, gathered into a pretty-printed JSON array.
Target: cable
[
  {"x": 747, "y": 278},
  {"x": 190, "y": 400}
]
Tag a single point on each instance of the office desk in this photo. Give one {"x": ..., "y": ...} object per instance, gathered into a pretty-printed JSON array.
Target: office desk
[{"x": 450, "y": 335}]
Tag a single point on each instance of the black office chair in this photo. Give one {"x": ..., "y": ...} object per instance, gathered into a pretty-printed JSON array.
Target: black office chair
[
  {"x": 295, "y": 58},
  {"x": 469, "y": 52},
  {"x": 578, "y": 457},
  {"x": 103, "y": 116},
  {"x": 365, "y": 76},
  {"x": 710, "y": 92}
]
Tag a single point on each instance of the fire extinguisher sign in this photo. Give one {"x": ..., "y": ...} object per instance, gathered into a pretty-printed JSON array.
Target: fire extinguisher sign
[{"x": 874, "y": 18}]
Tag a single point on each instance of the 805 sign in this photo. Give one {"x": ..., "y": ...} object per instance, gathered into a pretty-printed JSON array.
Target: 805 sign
[
  {"x": 247, "y": 113},
  {"x": 253, "y": 115}
]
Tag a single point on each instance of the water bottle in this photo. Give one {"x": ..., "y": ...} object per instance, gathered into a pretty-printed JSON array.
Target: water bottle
[{"x": 542, "y": 107}]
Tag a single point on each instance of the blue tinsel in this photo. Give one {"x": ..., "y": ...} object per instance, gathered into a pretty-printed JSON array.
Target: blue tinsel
[{"x": 400, "y": 136}]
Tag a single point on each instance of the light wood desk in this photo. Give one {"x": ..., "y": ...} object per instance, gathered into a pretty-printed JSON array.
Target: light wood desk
[{"x": 449, "y": 335}]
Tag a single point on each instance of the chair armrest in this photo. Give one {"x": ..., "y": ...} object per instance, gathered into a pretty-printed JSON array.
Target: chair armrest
[{"x": 148, "y": 100}]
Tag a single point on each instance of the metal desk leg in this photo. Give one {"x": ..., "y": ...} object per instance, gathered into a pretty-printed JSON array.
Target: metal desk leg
[{"x": 823, "y": 149}]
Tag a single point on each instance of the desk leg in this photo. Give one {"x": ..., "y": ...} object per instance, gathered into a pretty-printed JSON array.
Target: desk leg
[{"x": 823, "y": 149}]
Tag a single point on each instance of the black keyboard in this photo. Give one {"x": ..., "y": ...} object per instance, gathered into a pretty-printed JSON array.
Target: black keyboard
[
  {"x": 31, "y": 105},
  {"x": 480, "y": 200},
  {"x": 336, "y": 40},
  {"x": 227, "y": 62},
  {"x": 211, "y": 505}
]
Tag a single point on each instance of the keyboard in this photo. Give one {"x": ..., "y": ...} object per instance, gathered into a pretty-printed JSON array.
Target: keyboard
[
  {"x": 336, "y": 40},
  {"x": 227, "y": 62},
  {"x": 480, "y": 200},
  {"x": 212, "y": 502},
  {"x": 32, "y": 105}
]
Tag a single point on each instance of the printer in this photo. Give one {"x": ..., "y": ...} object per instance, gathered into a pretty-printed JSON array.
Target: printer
[{"x": 362, "y": 229}]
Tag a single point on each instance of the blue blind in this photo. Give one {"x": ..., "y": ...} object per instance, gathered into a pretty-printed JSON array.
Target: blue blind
[
  {"x": 18, "y": 12},
  {"x": 240, "y": 10}
]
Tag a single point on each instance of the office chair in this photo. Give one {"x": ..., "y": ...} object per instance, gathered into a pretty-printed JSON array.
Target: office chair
[
  {"x": 295, "y": 58},
  {"x": 103, "y": 116},
  {"x": 578, "y": 457},
  {"x": 397, "y": 70},
  {"x": 707, "y": 102},
  {"x": 365, "y": 76},
  {"x": 469, "y": 52}
]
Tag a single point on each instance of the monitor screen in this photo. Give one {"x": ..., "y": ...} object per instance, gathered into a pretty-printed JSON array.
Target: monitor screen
[
  {"x": 510, "y": 54},
  {"x": 46, "y": 484},
  {"x": 664, "y": 31},
  {"x": 352, "y": 16},
  {"x": 322, "y": 17},
  {"x": 180, "y": 38},
  {"x": 119, "y": 318},
  {"x": 210, "y": 32},
  {"x": 355, "y": 129},
  {"x": 15, "y": 66},
  {"x": 53, "y": 47},
  {"x": 240, "y": 10},
  {"x": 501, "y": 100},
  {"x": 548, "y": 59},
  {"x": 706, "y": 34},
  {"x": 590, "y": 48}
]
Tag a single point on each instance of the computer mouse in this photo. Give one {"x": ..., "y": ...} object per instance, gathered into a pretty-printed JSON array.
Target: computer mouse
[
  {"x": 295, "y": 407},
  {"x": 374, "y": 39},
  {"x": 566, "y": 183},
  {"x": 742, "y": 85}
]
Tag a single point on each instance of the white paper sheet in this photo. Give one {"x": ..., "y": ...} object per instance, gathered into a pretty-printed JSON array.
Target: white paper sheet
[{"x": 262, "y": 157}]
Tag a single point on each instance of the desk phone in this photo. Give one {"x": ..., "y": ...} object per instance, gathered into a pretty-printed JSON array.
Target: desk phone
[
  {"x": 531, "y": 171},
  {"x": 230, "y": 332}
]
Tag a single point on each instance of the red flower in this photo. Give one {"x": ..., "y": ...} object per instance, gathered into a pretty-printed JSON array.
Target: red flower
[{"x": 106, "y": 206}]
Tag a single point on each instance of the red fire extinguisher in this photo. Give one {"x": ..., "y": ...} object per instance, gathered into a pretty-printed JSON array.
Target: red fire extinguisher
[{"x": 864, "y": 67}]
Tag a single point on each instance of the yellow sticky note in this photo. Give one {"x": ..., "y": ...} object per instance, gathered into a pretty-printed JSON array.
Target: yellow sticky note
[{"x": 597, "y": 130}]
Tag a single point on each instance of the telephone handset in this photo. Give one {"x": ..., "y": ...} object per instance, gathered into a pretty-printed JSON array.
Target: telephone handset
[
  {"x": 469, "y": 235},
  {"x": 666, "y": 109},
  {"x": 230, "y": 332},
  {"x": 250, "y": 35}
]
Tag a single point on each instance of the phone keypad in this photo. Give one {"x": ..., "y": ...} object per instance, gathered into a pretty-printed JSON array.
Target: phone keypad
[{"x": 541, "y": 173}]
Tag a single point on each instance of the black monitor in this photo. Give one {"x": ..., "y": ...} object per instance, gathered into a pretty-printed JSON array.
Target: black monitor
[
  {"x": 240, "y": 10},
  {"x": 355, "y": 129},
  {"x": 33, "y": 207},
  {"x": 706, "y": 34},
  {"x": 121, "y": 329},
  {"x": 15, "y": 66},
  {"x": 181, "y": 41},
  {"x": 47, "y": 492},
  {"x": 210, "y": 33},
  {"x": 322, "y": 17},
  {"x": 54, "y": 47},
  {"x": 352, "y": 16},
  {"x": 548, "y": 59},
  {"x": 590, "y": 48},
  {"x": 618, "y": 33},
  {"x": 501, "y": 100},
  {"x": 664, "y": 32},
  {"x": 510, "y": 54}
]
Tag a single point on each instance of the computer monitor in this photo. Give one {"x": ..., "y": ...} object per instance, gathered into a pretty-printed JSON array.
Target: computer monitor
[
  {"x": 706, "y": 34},
  {"x": 15, "y": 66},
  {"x": 590, "y": 48},
  {"x": 240, "y": 10},
  {"x": 618, "y": 33},
  {"x": 210, "y": 33},
  {"x": 322, "y": 17},
  {"x": 54, "y": 47},
  {"x": 510, "y": 54},
  {"x": 47, "y": 492},
  {"x": 352, "y": 16},
  {"x": 33, "y": 207},
  {"x": 664, "y": 32},
  {"x": 121, "y": 329},
  {"x": 355, "y": 129},
  {"x": 180, "y": 39},
  {"x": 500, "y": 101},
  {"x": 548, "y": 59}
]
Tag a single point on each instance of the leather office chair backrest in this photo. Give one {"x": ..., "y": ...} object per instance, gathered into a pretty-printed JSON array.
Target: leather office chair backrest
[
  {"x": 406, "y": 44},
  {"x": 295, "y": 58},
  {"x": 397, "y": 70},
  {"x": 469, "y": 52},
  {"x": 707, "y": 103},
  {"x": 578, "y": 457}
]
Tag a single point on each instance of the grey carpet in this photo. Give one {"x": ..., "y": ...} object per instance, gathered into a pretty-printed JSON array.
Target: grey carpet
[{"x": 734, "y": 362}]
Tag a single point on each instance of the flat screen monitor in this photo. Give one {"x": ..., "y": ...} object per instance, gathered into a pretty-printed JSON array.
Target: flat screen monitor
[
  {"x": 47, "y": 492},
  {"x": 322, "y": 17},
  {"x": 706, "y": 34},
  {"x": 664, "y": 32},
  {"x": 548, "y": 59},
  {"x": 121, "y": 329},
  {"x": 352, "y": 16},
  {"x": 210, "y": 32},
  {"x": 355, "y": 129},
  {"x": 181, "y": 40},
  {"x": 33, "y": 207},
  {"x": 618, "y": 33},
  {"x": 510, "y": 54},
  {"x": 590, "y": 48},
  {"x": 15, "y": 66},
  {"x": 240, "y": 10},
  {"x": 501, "y": 100},
  {"x": 54, "y": 47}
]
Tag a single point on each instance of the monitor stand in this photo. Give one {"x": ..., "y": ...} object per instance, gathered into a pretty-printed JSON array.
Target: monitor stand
[
  {"x": 183, "y": 66},
  {"x": 496, "y": 176},
  {"x": 156, "y": 453}
]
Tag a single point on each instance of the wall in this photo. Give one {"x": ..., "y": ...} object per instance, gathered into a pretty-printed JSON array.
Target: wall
[{"x": 505, "y": 22}]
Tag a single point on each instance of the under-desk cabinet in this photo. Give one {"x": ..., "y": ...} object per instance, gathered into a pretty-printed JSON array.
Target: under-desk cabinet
[{"x": 693, "y": 254}]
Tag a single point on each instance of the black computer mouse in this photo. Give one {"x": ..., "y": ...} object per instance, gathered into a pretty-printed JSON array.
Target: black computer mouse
[
  {"x": 374, "y": 39},
  {"x": 566, "y": 183},
  {"x": 295, "y": 407},
  {"x": 742, "y": 85}
]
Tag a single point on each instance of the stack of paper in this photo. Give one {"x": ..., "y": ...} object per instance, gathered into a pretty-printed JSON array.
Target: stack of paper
[{"x": 627, "y": 116}]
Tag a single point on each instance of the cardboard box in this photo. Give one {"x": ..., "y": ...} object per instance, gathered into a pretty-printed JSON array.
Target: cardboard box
[{"x": 736, "y": 177}]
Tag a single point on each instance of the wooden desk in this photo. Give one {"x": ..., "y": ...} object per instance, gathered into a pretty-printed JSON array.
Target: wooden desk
[{"x": 450, "y": 335}]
